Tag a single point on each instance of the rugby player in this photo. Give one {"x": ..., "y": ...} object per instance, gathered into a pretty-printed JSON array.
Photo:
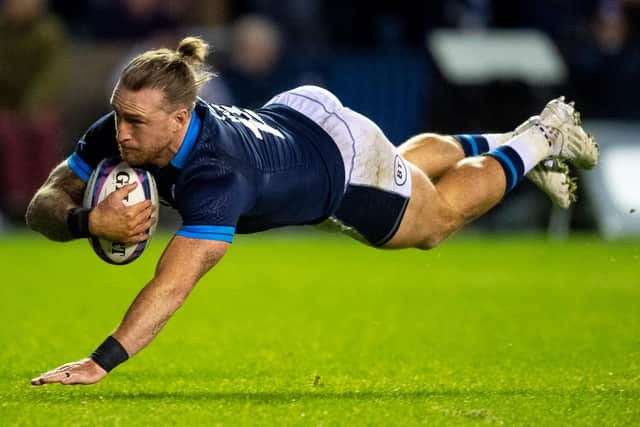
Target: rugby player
[{"x": 303, "y": 158}]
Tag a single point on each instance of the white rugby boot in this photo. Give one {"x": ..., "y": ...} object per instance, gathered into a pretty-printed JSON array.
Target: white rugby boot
[
  {"x": 570, "y": 141},
  {"x": 556, "y": 183},
  {"x": 554, "y": 180},
  {"x": 560, "y": 123}
]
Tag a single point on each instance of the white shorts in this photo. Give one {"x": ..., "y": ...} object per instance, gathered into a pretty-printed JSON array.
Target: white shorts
[{"x": 377, "y": 179}]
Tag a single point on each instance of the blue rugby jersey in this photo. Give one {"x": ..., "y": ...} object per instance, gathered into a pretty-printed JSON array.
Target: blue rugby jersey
[{"x": 237, "y": 170}]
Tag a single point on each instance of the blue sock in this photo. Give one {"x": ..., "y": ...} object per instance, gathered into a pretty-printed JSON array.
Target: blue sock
[
  {"x": 511, "y": 163},
  {"x": 473, "y": 145}
]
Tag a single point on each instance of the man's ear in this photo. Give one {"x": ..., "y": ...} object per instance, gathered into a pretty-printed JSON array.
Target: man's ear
[{"x": 181, "y": 118}]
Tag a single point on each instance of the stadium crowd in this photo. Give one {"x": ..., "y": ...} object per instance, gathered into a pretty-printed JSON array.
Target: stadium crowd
[{"x": 59, "y": 61}]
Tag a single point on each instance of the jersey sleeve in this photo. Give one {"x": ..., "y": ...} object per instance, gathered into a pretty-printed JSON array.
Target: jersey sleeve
[
  {"x": 210, "y": 200},
  {"x": 98, "y": 142}
]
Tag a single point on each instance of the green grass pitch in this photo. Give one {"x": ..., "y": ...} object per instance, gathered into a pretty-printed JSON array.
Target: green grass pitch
[{"x": 324, "y": 331}]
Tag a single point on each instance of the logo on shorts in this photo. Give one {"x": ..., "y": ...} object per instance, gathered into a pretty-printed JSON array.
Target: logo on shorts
[{"x": 400, "y": 171}]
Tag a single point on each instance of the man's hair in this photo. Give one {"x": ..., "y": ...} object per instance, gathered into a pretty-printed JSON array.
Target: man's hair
[{"x": 179, "y": 74}]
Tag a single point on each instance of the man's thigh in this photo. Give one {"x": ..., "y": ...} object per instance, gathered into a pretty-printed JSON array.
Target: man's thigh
[{"x": 427, "y": 220}]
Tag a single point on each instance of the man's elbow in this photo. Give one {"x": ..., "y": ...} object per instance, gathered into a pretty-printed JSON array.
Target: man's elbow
[{"x": 30, "y": 216}]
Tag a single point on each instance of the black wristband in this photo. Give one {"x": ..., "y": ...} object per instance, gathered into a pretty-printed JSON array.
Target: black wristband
[
  {"x": 110, "y": 354},
  {"x": 78, "y": 222}
]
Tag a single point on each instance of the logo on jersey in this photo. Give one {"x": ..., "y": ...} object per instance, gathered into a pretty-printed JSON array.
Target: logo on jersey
[
  {"x": 248, "y": 118},
  {"x": 400, "y": 171}
]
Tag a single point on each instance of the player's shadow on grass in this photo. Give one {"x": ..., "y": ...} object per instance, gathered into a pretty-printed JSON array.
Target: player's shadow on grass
[
  {"x": 270, "y": 397},
  {"x": 284, "y": 397},
  {"x": 275, "y": 397}
]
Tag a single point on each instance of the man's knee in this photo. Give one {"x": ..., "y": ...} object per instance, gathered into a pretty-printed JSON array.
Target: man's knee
[
  {"x": 437, "y": 234},
  {"x": 416, "y": 141},
  {"x": 430, "y": 242},
  {"x": 430, "y": 227}
]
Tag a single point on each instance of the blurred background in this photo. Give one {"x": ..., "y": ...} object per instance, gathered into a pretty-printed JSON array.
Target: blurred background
[{"x": 455, "y": 66}]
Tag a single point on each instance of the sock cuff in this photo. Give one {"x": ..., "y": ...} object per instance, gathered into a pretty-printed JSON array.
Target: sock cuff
[
  {"x": 473, "y": 145},
  {"x": 511, "y": 163}
]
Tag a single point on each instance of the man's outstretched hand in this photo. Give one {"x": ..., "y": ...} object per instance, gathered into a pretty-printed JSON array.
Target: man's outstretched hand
[{"x": 84, "y": 371}]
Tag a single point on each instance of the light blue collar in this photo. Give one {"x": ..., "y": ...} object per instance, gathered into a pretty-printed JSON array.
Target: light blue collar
[{"x": 187, "y": 143}]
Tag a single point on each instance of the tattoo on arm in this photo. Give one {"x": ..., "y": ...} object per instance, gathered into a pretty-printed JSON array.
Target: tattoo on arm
[{"x": 47, "y": 212}]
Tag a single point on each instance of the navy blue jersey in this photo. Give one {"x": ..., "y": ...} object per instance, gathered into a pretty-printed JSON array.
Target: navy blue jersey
[{"x": 237, "y": 170}]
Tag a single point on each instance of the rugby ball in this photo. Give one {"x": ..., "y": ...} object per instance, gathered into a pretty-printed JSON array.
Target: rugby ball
[{"x": 110, "y": 174}]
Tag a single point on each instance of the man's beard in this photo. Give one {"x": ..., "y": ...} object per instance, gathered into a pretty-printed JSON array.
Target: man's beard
[{"x": 131, "y": 156}]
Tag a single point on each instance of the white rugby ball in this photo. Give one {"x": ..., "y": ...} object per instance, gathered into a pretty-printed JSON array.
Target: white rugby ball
[{"x": 110, "y": 174}]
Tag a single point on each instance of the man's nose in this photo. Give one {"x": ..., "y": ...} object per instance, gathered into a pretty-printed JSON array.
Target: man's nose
[{"x": 123, "y": 132}]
